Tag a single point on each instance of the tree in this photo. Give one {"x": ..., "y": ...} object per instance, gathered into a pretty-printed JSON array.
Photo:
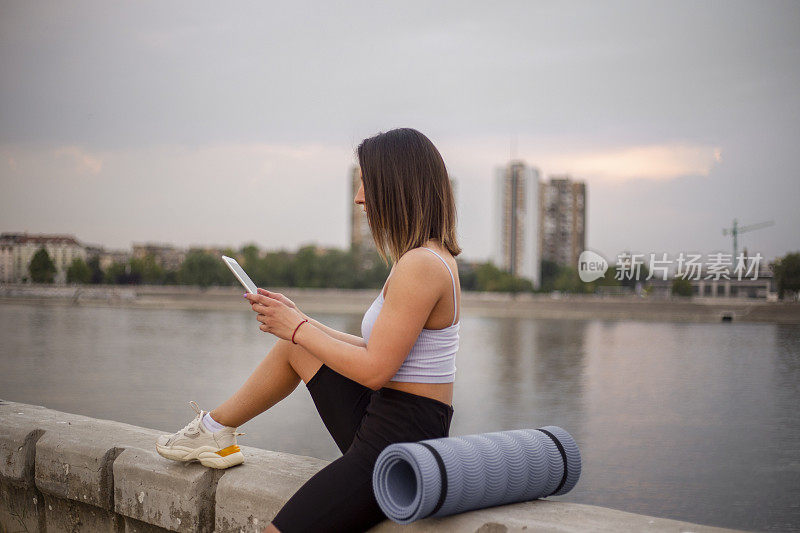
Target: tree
[
  {"x": 306, "y": 267},
  {"x": 79, "y": 271},
  {"x": 97, "y": 272},
  {"x": 467, "y": 275},
  {"x": 787, "y": 273},
  {"x": 250, "y": 260},
  {"x": 550, "y": 272},
  {"x": 148, "y": 270},
  {"x": 681, "y": 287},
  {"x": 490, "y": 278},
  {"x": 557, "y": 277},
  {"x": 204, "y": 269},
  {"x": 123, "y": 274},
  {"x": 42, "y": 268}
]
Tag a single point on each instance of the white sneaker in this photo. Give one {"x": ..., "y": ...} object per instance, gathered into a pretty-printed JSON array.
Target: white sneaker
[{"x": 196, "y": 443}]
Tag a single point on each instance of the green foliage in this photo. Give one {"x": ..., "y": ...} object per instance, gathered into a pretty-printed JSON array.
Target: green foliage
[
  {"x": 787, "y": 273},
  {"x": 97, "y": 272},
  {"x": 310, "y": 267},
  {"x": 550, "y": 272},
  {"x": 147, "y": 270},
  {"x": 566, "y": 279},
  {"x": 490, "y": 278},
  {"x": 250, "y": 257},
  {"x": 122, "y": 274},
  {"x": 79, "y": 271},
  {"x": 681, "y": 287},
  {"x": 306, "y": 271},
  {"x": 204, "y": 269},
  {"x": 336, "y": 269},
  {"x": 42, "y": 268},
  {"x": 467, "y": 276},
  {"x": 275, "y": 270}
]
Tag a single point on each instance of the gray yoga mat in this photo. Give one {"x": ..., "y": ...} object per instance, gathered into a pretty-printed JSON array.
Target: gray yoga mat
[{"x": 440, "y": 477}]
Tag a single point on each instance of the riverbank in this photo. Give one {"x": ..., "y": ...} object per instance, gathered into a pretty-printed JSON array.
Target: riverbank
[
  {"x": 67, "y": 472},
  {"x": 528, "y": 305}
]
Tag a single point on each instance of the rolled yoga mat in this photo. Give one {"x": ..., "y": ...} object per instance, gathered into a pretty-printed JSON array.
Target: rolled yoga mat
[{"x": 440, "y": 477}]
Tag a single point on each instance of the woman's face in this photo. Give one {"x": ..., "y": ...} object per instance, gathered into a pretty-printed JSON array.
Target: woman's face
[{"x": 359, "y": 199}]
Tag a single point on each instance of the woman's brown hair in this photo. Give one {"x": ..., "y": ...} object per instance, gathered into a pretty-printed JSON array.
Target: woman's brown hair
[{"x": 407, "y": 193}]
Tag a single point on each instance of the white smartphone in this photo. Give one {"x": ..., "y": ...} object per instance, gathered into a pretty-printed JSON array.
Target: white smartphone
[{"x": 240, "y": 274}]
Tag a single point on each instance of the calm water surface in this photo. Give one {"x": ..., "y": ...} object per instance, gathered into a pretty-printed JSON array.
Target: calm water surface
[{"x": 695, "y": 422}]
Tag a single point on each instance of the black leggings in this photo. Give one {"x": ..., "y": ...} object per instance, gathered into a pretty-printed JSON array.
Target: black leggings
[{"x": 362, "y": 422}]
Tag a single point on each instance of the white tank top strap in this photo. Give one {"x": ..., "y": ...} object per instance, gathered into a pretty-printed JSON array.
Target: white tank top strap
[{"x": 455, "y": 302}]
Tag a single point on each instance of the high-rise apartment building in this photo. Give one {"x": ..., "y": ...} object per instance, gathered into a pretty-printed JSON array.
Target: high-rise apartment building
[
  {"x": 562, "y": 219},
  {"x": 516, "y": 234}
]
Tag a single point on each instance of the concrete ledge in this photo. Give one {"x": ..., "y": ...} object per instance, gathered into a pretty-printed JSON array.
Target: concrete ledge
[
  {"x": 169, "y": 494},
  {"x": 23, "y": 426},
  {"x": 64, "y": 472},
  {"x": 249, "y": 497},
  {"x": 73, "y": 461},
  {"x": 546, "y": 516}
]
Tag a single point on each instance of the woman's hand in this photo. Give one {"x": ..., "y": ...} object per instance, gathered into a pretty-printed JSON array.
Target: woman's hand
[
  {"x": 276, "y": 317},
  {"x": 278, "y": 296}
]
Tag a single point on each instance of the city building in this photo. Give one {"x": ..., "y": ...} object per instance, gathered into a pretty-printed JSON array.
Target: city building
[
  {"x": 516, "y": 232},
  {"x": 166, "y": 256},
  {"x": 17, "y": 250},
  {"x": 562, "y": 220},
  {"x": 109, "y": 257},
  {"x": 6, "y": 261},
  {"x": 762, "y": 288}
]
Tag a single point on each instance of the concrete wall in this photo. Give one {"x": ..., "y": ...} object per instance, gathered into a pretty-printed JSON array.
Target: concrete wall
[{"x": 65, "y": 472}]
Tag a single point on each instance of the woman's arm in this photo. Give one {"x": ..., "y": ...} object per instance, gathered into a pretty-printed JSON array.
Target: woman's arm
[
  {"x": 405, "y": 310},
  {"x": 350, "y": 339},
  {"x": 336, "y": 334}
]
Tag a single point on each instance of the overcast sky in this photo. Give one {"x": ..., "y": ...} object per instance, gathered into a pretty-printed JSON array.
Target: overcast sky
[{"x": 228, "y": 123}]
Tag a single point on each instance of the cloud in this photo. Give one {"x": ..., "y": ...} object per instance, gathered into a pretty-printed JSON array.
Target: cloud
[
  {"x": 584, "y": 159},
  {"x": 84, "y": 162},
  {"x": 652, "y": 162}
]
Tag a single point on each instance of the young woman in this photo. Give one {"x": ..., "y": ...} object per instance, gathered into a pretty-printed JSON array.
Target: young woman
[{"x": 393, "y": 384}]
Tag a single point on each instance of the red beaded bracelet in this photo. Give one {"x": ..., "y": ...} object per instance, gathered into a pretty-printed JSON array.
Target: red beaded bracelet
[{"x": 298, "y": 325}]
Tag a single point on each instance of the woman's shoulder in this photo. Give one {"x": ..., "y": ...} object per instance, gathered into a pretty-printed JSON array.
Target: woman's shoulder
[
  {"x": 423, "y": 253},
  {"x": 420, "y": 260},
  {"x": 419, "y": 268}
]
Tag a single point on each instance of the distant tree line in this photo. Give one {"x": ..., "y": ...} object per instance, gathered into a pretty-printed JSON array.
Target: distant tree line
[
  {"x": 349, "y": 269},
  {"x": 307, "y": 267}
]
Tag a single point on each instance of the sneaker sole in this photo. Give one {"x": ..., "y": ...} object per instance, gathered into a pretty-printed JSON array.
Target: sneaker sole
[{"x": 208, "y": 456}]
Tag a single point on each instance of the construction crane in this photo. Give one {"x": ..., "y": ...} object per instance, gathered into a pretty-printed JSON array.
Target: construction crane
[{"x": 736, "y": 230}]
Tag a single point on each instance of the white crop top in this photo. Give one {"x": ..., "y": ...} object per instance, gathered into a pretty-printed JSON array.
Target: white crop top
[{"x": 432, "y": 359}]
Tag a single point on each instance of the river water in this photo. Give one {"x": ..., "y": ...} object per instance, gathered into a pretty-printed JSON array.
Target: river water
[{"x": 695, "y": 422}]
